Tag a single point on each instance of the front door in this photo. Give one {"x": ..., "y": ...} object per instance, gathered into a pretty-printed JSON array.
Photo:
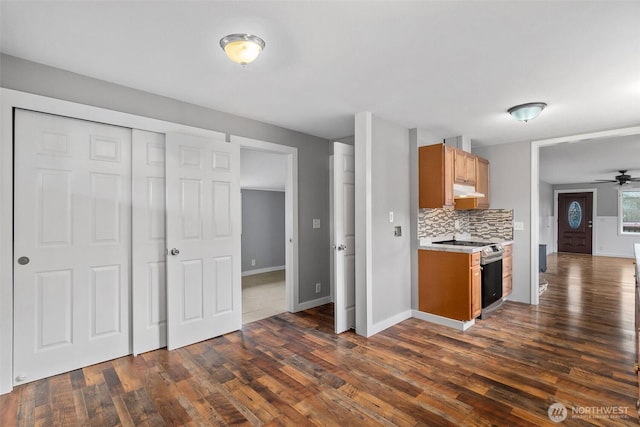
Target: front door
[
  {"x": 72, "y": 244},
  {"x": 575, "y": 222},
  {"x": 203, "y": 239},
  {"x": 344, "y": 237}
]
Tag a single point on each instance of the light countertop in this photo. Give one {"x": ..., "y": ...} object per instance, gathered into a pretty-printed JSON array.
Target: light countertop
[{"x": 425, "y": 245}]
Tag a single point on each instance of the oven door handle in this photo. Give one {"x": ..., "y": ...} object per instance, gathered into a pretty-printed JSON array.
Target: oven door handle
[{"x": 489, "y": 260}]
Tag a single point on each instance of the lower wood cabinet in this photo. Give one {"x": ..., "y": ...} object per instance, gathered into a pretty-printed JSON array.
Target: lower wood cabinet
[
  {"x": 449, "y": 284},
  {"x": 507, "y": 271}
]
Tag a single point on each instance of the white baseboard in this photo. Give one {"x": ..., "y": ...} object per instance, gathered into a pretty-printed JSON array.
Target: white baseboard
[
  {"x": 311, "y": 304},
  {"x": 613, "y": 255},
  {"x": 444, "y": 321},
  {"x": 389, "y": 322},
  {"x": 263, "y": 270}
]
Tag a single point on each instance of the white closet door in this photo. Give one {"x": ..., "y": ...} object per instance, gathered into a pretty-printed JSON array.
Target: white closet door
[
  {"x": 344, "y": 237},
  {"x": 72, "y": 244},
  {"x": 203, "y": 238},
  {"x": 149, "y": 289}
]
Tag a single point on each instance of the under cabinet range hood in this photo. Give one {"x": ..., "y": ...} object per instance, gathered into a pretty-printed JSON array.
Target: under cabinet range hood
[{"x": 461, "y": 191}]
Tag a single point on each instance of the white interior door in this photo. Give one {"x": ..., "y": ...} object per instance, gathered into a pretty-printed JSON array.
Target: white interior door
[
  {"x": 203, "y": 238},
  {"x": 344, "y": 241},
  {"x": 149, "y": 289},
  {"x": 71, "y": 245}
]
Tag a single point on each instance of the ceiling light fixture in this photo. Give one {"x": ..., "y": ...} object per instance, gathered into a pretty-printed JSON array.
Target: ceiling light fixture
[
  {"x": 242, "y": 48},
  {"x": 526, "y": 112}
]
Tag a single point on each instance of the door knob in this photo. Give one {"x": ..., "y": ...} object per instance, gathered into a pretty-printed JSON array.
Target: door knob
[
  {"x": 174, "y": 251},
  {"x": 341, "y": 247},
  {"x": 23, "y": 260}
]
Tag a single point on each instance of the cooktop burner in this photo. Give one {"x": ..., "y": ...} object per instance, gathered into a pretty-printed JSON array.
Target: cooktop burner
[{"x": 462, "y": 243}]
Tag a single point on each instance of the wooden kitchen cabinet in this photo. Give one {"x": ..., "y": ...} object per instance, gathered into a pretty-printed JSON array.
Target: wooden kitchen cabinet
[
  {"x": 476, "y": 291},
  {"x": 449, "y": 284},
  {"x": 482, "y": 186},
  {"x": 465, "y": 168},
  {"x": 436, "y": 164},
  {"x": 442, "y": 165},
  {"x": 507, "y": 270}
]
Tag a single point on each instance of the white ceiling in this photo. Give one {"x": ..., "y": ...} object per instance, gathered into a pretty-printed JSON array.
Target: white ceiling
[
  {"x": 449, "y": 67},
  {"x": 588, "y": 161}
]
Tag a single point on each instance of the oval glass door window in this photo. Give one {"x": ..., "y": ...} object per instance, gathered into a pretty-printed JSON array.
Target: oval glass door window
[{"x": 575, "y": 215}]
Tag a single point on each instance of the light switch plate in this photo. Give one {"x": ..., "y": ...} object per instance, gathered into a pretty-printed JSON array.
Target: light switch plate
[
  {"x": 316, "y": 223},
  {"x": 390, "y": 216},
  {"x": 518, "y": 225}
]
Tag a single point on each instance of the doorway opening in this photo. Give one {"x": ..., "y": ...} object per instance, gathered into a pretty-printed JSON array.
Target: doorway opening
[
  {"x": 263, "y": 242},
  {"x": 269, "y": 228}
]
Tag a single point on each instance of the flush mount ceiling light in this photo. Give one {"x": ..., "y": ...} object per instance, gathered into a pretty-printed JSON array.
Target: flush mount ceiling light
[
  {"x": 242, "y": 48},
  {"x": 526, "y": 112}
]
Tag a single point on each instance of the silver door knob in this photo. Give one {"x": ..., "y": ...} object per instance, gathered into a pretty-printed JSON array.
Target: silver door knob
[
  {"x": 341, "y": 247},
  {"x": 174, "y": 251},
  {"x": 23, "y": 260}
]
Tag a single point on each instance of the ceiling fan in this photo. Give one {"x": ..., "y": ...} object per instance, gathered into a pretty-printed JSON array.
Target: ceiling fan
[{"x": 621, "y": 179}]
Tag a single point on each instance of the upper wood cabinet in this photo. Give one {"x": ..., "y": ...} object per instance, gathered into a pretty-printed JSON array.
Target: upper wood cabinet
[
  {"x": 442, "y": 165},
  {"x": 482, "y": 186},
  {"x": 436, "y": 176},
  {"x": 465, "y": 168}
]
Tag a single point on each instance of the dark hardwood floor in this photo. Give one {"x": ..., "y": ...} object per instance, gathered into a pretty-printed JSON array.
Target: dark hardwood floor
[{"x": 576, "y": 348}]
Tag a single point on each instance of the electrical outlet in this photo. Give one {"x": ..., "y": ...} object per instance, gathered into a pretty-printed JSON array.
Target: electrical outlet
[
  {"x": 318, "y": 286},
  {"x": 518, "y": 225},
  {"x": 253, "y": 263},
  {"x": 316, "y": 223}
]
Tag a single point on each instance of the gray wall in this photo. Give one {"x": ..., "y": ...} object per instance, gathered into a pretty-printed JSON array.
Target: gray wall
[
  {"x": 263, "y": 236},
  {"x": 510, "y": 188},
  {"x": 383, "y": 261},
  {"x": 607, "y": 203},
  {"x": 313, "y": 152},
  {"x": 391, "y": 287},
  {"x": 346, "y": 140}
]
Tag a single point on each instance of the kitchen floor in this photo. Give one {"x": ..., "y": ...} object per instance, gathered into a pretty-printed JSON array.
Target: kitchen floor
[
  {"x": 263, "y": 295},
  {"x": 577, "y": 348}
]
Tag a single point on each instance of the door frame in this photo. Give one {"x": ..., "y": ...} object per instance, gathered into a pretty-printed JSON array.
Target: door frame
[
  {"x": 594, "y": 235},
  {"x": 10, "y": 99},
  {"x": 290, "y": 216},
  {"x": 534, "y": 236}
]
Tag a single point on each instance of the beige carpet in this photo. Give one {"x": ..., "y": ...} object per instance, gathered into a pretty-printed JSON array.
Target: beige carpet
[{"x": 263, "y": 295}]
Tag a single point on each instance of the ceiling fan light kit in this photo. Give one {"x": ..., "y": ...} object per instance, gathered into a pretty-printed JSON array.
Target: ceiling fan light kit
[
  {"x": 528, "y": 111},
  {"x": 621, "y": 179},
  {"x": 242, "y": 48}
]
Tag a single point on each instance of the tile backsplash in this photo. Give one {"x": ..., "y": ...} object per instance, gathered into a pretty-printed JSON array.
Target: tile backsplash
[{"x": 480, "y": 224}]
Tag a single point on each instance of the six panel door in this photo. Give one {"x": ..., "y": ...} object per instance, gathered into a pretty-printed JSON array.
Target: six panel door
[
  {"x": 203, "y": 239},
  {"x": 72, "y": 244},
  {"x": 149, "y": 291},
  {"x": 344, "y": 237}
]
